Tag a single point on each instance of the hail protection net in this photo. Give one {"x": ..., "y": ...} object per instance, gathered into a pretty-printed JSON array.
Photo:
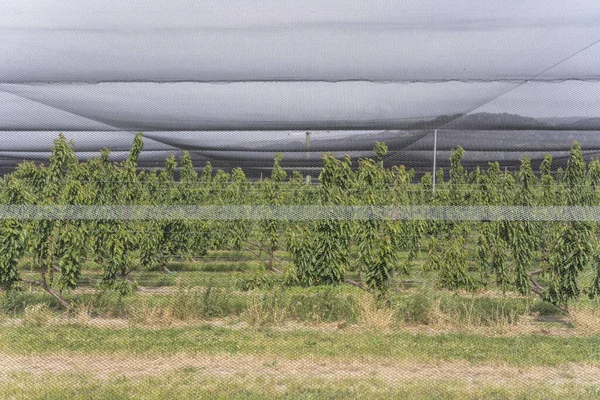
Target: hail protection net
[{"x": 299, "y": 199}]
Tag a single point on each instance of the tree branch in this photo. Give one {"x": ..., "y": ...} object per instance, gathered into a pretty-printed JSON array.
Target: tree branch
[
  {"x": 48, "y": 289},
  {"x": 535, "y": 286},
  {"x": 536, "y": 272},
  {"x": 36, "y": 283},
  {"x": 261, "y": 259},
  {"x": 357, "y": 284},
  {"x": 259, "y": 247},
  {"x": 265, "y": 262},
  {"x": 44, "y": 284}
]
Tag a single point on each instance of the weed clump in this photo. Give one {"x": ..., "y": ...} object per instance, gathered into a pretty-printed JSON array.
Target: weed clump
[
  {"x": 266, "y": 309},
  {"x": 544, "y": 308},
  {"x": 37, "y": 315},
  {"x": 376, "y": 316},
  {"x": 444, "y": 309},
  {"x": 324, "y": 306},
  {"x": 187, "y": 304}
]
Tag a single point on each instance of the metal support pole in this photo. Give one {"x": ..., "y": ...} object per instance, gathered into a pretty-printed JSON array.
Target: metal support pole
[
  {"x": 308, "y": 155},
  {"x": 434, "y": 156}
]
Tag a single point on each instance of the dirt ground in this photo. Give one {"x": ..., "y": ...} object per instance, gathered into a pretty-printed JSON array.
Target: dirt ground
[{"x": 227, "y": 366}]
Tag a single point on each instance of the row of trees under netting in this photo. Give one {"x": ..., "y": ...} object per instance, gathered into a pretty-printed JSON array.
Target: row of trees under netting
[{"x": 540, "y": 257}]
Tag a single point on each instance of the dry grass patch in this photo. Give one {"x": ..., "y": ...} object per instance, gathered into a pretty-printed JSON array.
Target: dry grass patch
[
  {"x": 376, "y": 316},
  {"x": 37, "y": 315},
  {"x": 586, "y": 321},
  {"x": 265, "y": 311},
  {"x": 306, "y": 369}
]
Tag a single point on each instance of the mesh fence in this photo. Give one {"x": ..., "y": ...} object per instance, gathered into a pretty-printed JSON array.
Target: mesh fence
[
  {"x": 367, "y": 279},
  {"x": 302, "y": 213},
  {"x": 329, "y": 200}
]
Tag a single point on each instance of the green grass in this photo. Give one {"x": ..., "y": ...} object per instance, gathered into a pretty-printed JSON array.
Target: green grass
[
  {"x": 526, "y": 350},
  {"x": 322, "y": 304},
  {"x": 426, "y": 306},
  {"x": 192, "y": 384},
  {"x": 218, "y": 266},
  {"x": 342, "y": 303},
  {"x": 419, "y": 303}
]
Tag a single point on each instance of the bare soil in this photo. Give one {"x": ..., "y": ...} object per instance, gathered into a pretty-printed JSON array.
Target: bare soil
[{"x": 228, "y": 366}]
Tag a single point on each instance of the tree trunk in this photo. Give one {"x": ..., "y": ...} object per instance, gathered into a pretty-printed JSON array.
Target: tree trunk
[
  {"x": 44, "y": 284},
  {"x": 165, "y": 269}
]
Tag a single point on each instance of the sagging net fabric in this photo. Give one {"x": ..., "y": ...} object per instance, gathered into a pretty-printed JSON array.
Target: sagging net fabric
[{"x": 327, "y": 200}]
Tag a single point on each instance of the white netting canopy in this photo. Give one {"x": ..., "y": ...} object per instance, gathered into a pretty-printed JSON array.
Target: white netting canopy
[{"x": 236, "y": 82}]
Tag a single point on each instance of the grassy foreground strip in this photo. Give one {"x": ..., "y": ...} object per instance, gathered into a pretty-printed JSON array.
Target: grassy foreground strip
[
  {"x": 526, "y": 350},
  {"x": 190, "y": 384}
]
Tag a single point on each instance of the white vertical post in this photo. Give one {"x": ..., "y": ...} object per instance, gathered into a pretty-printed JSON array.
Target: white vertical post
[
  {"x": 434, "y": 156},
  {"x": 308, "y": 133}
]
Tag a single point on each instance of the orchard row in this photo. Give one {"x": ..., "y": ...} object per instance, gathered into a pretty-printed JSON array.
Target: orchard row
[{"x": 546, "y": 258}]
